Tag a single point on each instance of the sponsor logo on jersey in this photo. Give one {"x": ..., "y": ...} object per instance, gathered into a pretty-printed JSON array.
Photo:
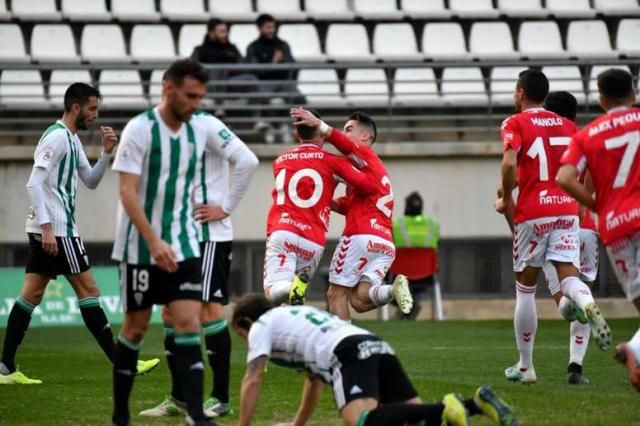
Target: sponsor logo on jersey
[
  {"x": 380, "y": 228},
  {"x": 613, "y": 221},
  {"x": 545, "y": 228},
  {"x": 306, "y": 254},
  {"x": 546, "y": 199},
  {"x": 285, "y": 219},
  {"x": 380, "y": 248},
  {"x": 190, "y": 287}
]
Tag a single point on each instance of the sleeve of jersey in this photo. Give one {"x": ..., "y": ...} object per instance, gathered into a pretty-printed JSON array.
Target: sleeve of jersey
[
  {"x": 348, "y": 148},
  {"x": 50, "y": 150},
  {"x": 574, "y": 155},
  {"x": 220, "y": 139},
  {"x": 353, "y": 177},
  {"x": 259, "y": 340},
  {"x": 91, "y": 176},
  {"x": 131, "y": 150},
  {"x": 510, "y": 135}
]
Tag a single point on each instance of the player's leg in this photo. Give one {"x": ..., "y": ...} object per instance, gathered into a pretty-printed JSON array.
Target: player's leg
[
  {"x": 279, "y": 266},
  {"x": 342, "y": 277},
  {"x": 338, "y": 300}
]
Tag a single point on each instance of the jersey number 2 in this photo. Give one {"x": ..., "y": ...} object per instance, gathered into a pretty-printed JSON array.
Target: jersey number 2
[{"x": 382, "y": 202}]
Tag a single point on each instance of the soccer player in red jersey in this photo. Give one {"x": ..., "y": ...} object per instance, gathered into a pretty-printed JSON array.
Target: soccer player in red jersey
[
  {"x": 545, "y": 217},
  {"x": 366, "y": 250},
  {"x": 305, "y": 180},
  {"x": 608, "y": 148}
]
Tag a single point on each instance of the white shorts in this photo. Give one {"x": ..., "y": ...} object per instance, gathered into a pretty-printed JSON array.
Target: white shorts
[
  {"x": 553, "y": 238},
  {"x": 589, "y": 257},
  {"x": 625, "y": 258},
  {"x": 287, "y": 255},
  {"x": 361, "y": 258}
]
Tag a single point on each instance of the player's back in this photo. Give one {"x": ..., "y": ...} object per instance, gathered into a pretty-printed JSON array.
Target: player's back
[{"x": 540, "y": 137}]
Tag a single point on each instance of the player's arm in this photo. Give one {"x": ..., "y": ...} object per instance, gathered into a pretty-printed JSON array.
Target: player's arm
[
  {"x": 91, "y": 176},
  {"x": 250, "y": 389},
  {"x": 339, "y": 205},
  {"x": 310, "y": 397},
  {"x": 572, "y": 163},
  {"x": 509, "y": 213},
  {"x": 353, "y": 177},
  {"x": 511, "y": 143}
]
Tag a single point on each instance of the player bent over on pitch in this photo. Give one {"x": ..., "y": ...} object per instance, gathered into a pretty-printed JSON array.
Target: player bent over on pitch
[
  {"x": 55, "y": 247},
  {"x": 370, "y": 387}
]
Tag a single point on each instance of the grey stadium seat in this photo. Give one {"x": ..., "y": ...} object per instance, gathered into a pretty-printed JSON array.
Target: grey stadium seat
[
  {"x": 22, "y": 88},
  {"x": 377, "y": 10},
  {"x": 53, "y": 43},
  {"x": 303, "y": 40},
  {"x": 35, "y": 10},
  {"x": 85, "y": 10},
  {"x": 463, "y": 87},
  {"x": 329, "y": 10},
  {"x": 121, "y": 89},
  {"x": 395, "y": 42},
  {"x": 522, "y": 8},
  {"x": 617, "y": 7},
  {"x": 288, "y": 10},
  {"x": 236, "y": 10},
  {"x": 570, "y": 8},
  {"x": 366, "y": 86},
  {"x": 357, "y": 49},
  {"x": 320, "y": 87},
  {"x": 589, "y": 39},
  {"x": 421, "y": 9},
  {"x": 12, "y": 48},
  {"x": 103, "y": 43},
  {"x": 473, "y": 8},
  {"x": 444, "y": 41},
  {"x": 491, "y": 40},
  {"x": 541, "y": 39},
  {"x": 138, "y": 10},
  {"x": 191, "y": 35},
  {"x": 183, "y": 10},
  {"x": 415, "y": 87},
  {"x": 566, "y": 78},
  {"x": 60, "y": 81},
  {"x": 628, "y": 36},
  {"x": 150, "y": 42}
]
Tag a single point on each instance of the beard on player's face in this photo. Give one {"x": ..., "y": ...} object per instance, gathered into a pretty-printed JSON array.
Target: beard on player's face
[{"x": 81, "y": 121}]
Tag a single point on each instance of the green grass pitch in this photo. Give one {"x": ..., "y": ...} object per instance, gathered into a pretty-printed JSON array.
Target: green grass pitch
[{"x": 439, "y": 358}]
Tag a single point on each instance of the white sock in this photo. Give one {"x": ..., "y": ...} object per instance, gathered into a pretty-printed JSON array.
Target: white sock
[
  {"x": 579, "y": 340},
  {"x": 525, "y": 323},
  {"x": 280, "y": 292},
  {"x": 381, "y": 294},
  {"x": 634, "y": 344},
  {"x": 564, "y": 307},
  {"x": 577, "y": 291}
]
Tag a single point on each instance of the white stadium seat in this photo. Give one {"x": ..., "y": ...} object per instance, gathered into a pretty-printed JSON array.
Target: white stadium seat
[
  {"x": 155, "y": 86},
  {"x": 35, "y": 10},
  {"x": 415, "y": 87},
  {"x": 570, "y": 8},
  {"x": 103, "y": 43},
  {"x": 348, "y": 42},
  {"x": 541, "y": 39},
  {"x": 503, "y": 84},
  {"x": 53, "y": 43},
  {"x": 191, "y": 36},
  {"x": 566, "y": 78},
  {"x": 288, "y": 10},
  {"x": 303, "y": 40},
  {"x": 60, "y": 81},
  {"x": 628, "y": 36},
  {"x": 121, "y": 88},
  {"x": 152, "y": 43},
  {"x": 377, "y": 10},
  {"x": 491, "y": 40},
  {"x": 183, "y": 10},
  {"x": 473, "y": 8},
  {"x": 395, "y": 42},
  {"x": 85, "y": 10},
  {"x": 522, "y": 8},
  {"x": 329, "y": 10},
  {"x": 12, "y": 48},
  {"x": 320, "y": 87},
  {"x": 4, "y": 14},
  {"x": 617, "y": 7},
  {"x": 242, "y": 35},
  {"x": 21, "y": 87},
  {"x": 463, "y": 87},
  {"x": 138, "y": 10},
  {"x": 444, "y": 41},
  {"x": 236, "y": 10},
  {"x": 420, "y": 9},
  {"x": 366, "y": 86},
  {"x": 589, "y": 39},
  {"x": 592, "y": 91}
]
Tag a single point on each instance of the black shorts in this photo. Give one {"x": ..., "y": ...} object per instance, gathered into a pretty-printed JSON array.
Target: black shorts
[
  {"x": 71, "y": 258},
  {"x": 216, "y": 265},
  {"x": 142, "y": 286},
  {"x": 366, "y": 367}
]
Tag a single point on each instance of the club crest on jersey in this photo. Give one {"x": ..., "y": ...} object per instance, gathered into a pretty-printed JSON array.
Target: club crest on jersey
[
  {"x": 226, "y": 137},
  {"x": 48, "y": 154},
  {"x": 138, "y": 298}
]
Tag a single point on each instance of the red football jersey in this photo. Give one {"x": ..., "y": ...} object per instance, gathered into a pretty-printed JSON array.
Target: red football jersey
[
  {"x": 306, "y": 178},
  {"x": 608, "y": 148},
  {"x": 586, "y": 220},
  {"x": 539, "y": 137}
]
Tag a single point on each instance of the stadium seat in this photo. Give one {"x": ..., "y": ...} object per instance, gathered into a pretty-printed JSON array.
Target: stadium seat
[
  {"x": 121, "y": 89},
  {"x": 4, "y": 14},
  {"x": 425, "y": 9},
  {"x": 570, "y": 8},
  {"x": 491, "y": 40},
  {"x": 592, "y": 91},
  {"x": 155, "y": 86},
  {"x": 152, "y": 43},
  {"x": 357, "y": 49},
  {"x": 183, "y": 10},
  {"x": 85, "y": 10},
  {"x": 385, "y": 10},
  {"x": 415, "y": 87},
  {"x": 21, "y": 87},
  {"x": 473, "y": 9},
  {"x": 329, "y": 10},
  {"x": 191, "y": 35},
  {"x": 366, "y": 86},
  {"x": 242, "y": 35},
  {"x": 503, "y": 83},
  {"x": 444, "y": 41},
  {"x": 395, "y": 42},
  {"x": 53, "y": 43},
  {"x": 286, "y": 10},
  {"x": 139, "y": 10},
  {"x": 12, "y": 48},
  {"x": 617, "y": 7},
  {"x": 103, "y": 43},
  {"x": 236, "y": 10},
  {"x": 541, "y": 39},
  {"x": 589, "y": 39},
  {"x": 60, "y": 81},
  {"x": 463, "y": 87},
  {"x": 628, "y": 36},
  {"x": 35, "y": 10},
  {"x": 522, "y": 8},
  {"x": 303, "y": 40},
  {"x": 565, "y": 78},
  {"x": 320, "y": 87}
]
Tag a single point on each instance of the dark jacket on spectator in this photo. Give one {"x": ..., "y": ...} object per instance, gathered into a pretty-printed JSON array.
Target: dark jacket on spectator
[
  {"x": 261, "y": 51},
  {"x": 213, "y": 52}
]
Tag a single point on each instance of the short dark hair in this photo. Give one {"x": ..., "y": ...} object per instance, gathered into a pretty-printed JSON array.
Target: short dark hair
[
  {"x": 615, "y": 84},
  {"x": 365, "y": 120},
  {"x": 79, "y": 93},
  {"x": 252, "y": 306},
  {"x": 562, "y": 103},
  {"x": 263, "y": 19},
  {"x": 413, "y": 204},
  {"x": 306, "y": 132},
  {"x": 183, "y": 68},
  {"x": 214, "y": 22},
  {"x": 535, "y": 85}
]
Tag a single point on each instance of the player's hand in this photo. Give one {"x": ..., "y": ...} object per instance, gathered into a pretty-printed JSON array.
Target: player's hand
[
  {"x": 109, "y": 139},
  {"x": 278, "y": 56},
  {"x": 209, "y": 213},
  {"x": 49, "y": 244},
  {"x": 163, "y": 255},
  {"x": 303, "y": 117},
  {"x": 501, "y": 205}
]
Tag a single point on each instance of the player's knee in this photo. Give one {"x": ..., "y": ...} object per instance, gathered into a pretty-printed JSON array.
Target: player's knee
[
  {"x": 33, "y": 296},
  {"x": 336, "y": 293},
  {"x": 358, "y": 306},
  {"x": 166, "y": 315},
  {"x": 134, "y": 332},
  {"x": 187, "y": 324},
  {"x": 211, "y": 312}
]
